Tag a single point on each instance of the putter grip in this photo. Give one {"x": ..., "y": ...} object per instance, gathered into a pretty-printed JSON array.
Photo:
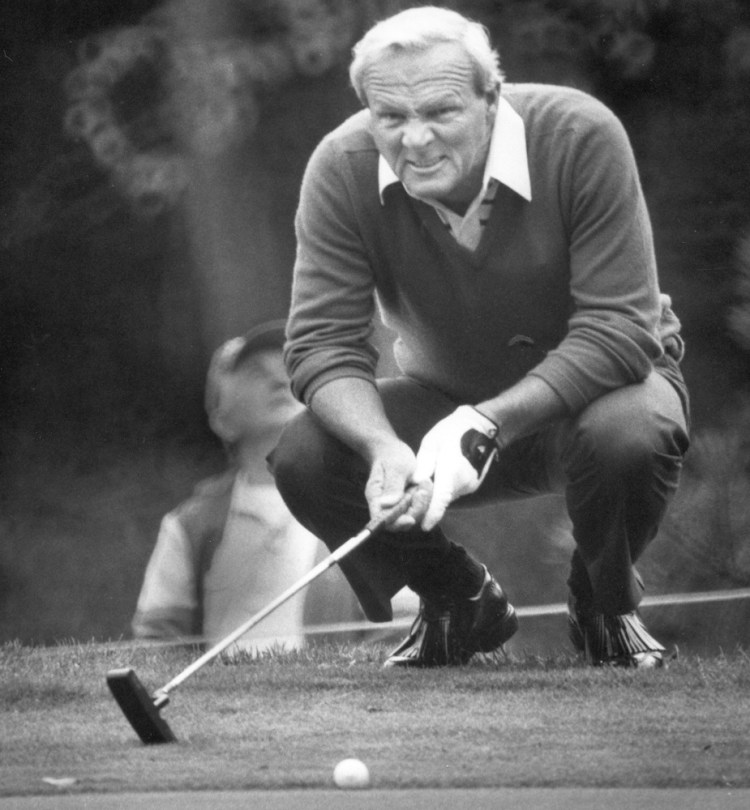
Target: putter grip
[{"x": 392, "y": 514}]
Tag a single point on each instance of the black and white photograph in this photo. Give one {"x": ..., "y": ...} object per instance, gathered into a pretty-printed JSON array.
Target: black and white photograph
[{"x": 375, "y": 404}]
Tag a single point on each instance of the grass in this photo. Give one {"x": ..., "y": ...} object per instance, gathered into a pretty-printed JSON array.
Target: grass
[{"x": 285, "y": 719}]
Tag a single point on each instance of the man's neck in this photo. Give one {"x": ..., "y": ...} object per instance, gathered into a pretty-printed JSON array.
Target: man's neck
[{"x": 251, "y": 461}]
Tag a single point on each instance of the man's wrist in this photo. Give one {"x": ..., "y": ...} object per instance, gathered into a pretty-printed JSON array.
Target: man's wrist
[
  {"x": 492, "y": 422},
  {"x": 375, "y": 446},
  {"x": 486, "y": 412},
  {"x": 480, "y": 421}
]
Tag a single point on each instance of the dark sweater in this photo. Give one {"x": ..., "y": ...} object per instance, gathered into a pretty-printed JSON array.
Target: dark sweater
[{"x": 563, "y": 287}]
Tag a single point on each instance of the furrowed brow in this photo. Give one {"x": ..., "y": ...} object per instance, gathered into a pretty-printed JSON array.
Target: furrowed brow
[{"x": 449, "y": 78}]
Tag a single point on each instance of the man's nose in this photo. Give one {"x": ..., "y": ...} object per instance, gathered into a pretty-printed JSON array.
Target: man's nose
[{"x": 416, "y": 133}]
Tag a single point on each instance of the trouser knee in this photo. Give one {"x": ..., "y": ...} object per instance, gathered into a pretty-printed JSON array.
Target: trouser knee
[
  {"x": 631, "y": 446},
  {"x": 311, "y": 466},
  {"x": 293, "y": 461}
]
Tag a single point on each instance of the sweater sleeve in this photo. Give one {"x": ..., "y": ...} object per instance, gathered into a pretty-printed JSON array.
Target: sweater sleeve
[
  {"x": 612, "y": 337},
  {"x": 168, "y": 603},
  {"x": 332, "y": 308}
]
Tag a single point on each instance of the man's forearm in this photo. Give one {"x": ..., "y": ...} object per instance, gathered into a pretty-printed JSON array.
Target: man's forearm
[
  {"x": 523, "y": 409},
  {"x": 350, "y": 408}
]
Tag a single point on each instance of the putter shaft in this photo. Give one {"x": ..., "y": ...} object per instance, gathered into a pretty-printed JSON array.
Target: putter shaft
[
  {"x": 142, "y": 710},
  {"x": 335, "y": 556}
]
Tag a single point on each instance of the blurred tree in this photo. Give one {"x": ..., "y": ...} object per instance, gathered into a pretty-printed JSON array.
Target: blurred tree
[{"x": 170, "y": 110}]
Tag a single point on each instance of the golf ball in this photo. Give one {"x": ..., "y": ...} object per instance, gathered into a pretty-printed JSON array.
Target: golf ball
[{"x": 351, "y": 774}]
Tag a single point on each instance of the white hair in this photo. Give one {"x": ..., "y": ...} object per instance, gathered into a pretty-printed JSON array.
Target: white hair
[{"x": 418, "y": 29}]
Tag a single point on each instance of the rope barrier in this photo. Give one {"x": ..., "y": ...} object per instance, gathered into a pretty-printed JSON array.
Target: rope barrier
[
  {"x": 524, "y": 611},
  {"x": 554, "y": 609}
]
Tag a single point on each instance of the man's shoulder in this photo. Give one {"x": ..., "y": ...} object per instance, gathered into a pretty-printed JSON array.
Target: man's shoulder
[
  {"x": 352, "y": 135},
  {"x": 555, "y": 105},
  {"x": 218, "y": 484},
  {"x": 346, "y": 154},
  {"x": 203, "y": 513},
  {"x": 216, "y": 488}
]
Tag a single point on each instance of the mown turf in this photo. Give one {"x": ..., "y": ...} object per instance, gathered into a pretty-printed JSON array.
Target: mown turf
[{"x": 284, "y": 721}]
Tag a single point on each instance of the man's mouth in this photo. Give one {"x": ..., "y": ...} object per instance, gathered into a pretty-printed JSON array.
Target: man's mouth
[{"x": 425, "y": 165}]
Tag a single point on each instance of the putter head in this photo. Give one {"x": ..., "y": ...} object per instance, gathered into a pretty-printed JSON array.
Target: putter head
[{"x": 138, "y": 706}]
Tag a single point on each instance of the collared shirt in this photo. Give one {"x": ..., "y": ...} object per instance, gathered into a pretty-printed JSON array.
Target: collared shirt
[
  {"x": 507, "y": 163},
  {"x": 263, "y": 551}
]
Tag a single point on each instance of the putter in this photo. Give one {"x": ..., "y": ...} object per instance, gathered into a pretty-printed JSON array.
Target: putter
[{"x": 142, "y": 710}]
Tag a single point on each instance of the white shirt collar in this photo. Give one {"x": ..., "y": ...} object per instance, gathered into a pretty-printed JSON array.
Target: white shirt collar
[{"x": 507, "y": 160}]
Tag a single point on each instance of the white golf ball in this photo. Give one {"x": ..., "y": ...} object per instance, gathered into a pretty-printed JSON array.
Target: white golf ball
[{"x": 351, "y": 774}]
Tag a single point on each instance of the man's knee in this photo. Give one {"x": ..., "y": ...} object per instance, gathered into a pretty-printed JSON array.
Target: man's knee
[
  {"x": 615, "y": 442},
  {"x": 629, "y": 431},
  {"x": 298, "y": 455},
  {"x": 309, "y": 461}
]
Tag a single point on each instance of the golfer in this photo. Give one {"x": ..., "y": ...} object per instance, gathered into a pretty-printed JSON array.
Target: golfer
[{"x": 502, "y": 233}]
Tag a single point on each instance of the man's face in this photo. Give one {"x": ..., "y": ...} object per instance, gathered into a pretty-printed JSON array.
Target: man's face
[
  {"x": 255, "y": 400},
  {"x": 429, "y": 123}
]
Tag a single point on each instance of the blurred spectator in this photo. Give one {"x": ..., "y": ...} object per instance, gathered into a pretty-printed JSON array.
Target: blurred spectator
[{"x": 233, "y": 546}]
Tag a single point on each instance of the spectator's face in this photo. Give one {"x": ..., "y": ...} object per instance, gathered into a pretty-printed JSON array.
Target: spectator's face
[
  {"x": 255, "y": 400},
  {"x": 429, "y": 123}
]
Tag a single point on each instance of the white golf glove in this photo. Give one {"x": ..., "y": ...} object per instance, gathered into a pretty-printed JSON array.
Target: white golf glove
[{"x": 456, "y": 454}]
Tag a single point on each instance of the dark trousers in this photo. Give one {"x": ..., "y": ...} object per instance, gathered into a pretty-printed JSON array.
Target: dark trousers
[{"x": 618, "y": 463}]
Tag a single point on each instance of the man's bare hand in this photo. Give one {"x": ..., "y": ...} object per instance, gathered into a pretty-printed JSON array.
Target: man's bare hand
[{"x": 391, "y": 477}]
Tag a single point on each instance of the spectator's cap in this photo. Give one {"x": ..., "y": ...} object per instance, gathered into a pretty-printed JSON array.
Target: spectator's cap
[
  {"x": 227, "y": 358},
  {"x": 267, "y": 335}
]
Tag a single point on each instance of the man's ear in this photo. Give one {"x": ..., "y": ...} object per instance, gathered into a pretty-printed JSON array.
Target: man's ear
[
  {"x": 217, "y": 425},
  {"x": 493, "y": 97}
]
